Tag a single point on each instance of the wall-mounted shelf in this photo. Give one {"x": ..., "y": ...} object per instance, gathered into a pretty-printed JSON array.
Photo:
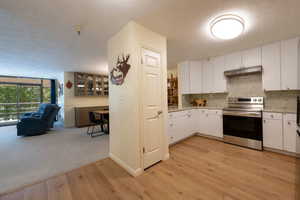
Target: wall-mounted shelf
[{"x": 90, "y": 84}]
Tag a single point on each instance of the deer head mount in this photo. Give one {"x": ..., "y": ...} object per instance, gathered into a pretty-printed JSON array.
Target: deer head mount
[{"x": 118, "y": 73}]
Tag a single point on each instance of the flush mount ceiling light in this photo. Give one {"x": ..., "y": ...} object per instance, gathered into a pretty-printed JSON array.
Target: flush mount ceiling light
[{"x": 227, "y": 27}]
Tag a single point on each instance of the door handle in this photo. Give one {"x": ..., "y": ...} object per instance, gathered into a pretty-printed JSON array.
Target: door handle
[{"x": 298, "y": 133}]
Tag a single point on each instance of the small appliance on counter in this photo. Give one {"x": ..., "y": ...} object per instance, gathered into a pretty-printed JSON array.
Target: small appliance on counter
[
  {"x": 199, "y": 102},
  {"x": 242, "y": 122}
]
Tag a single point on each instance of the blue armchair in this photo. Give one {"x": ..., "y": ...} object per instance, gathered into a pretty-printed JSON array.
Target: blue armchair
[{"x": 38, "y": 123}]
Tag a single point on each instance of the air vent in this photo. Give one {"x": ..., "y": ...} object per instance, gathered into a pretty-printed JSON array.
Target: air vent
[{"x": 244, "y": 71}]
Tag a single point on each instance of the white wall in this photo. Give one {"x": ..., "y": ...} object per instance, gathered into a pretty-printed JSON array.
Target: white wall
[
  {"x": 124, "y": 100},
  {"x": 70, "y": 101}
]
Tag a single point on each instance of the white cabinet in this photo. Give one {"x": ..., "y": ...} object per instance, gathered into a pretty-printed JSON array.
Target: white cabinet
[
  {"x": 210, "y": 122},
  {"x": 215, "y": 123},
  {"x": 195, "y": 77},
  {"x": 233, "y": 61},
  {"x": 207, "y": 76},
  {"x": 289, "y": 64},
  {"x": 290, "y": 136},
  {"x": 220, "y": 84},
  {"x": 203, "y": 127},
  {"x": 251, "y": 57},
  {"x": 272, "y": 130},
  {"x": 271, "y": 67},
  {"x": 181, "y": 124},
  {"x": 184, "y": 77}
]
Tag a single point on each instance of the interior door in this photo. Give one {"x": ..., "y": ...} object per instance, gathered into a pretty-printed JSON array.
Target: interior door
[{"x": 152, "y": 107}]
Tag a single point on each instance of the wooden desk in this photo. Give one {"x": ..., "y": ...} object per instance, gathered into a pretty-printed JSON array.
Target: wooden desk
[{"x": 82, "y": 114}]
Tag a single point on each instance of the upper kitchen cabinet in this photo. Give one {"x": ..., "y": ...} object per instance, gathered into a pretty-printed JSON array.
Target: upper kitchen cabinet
[
  {"x": 195, "y": 77},
  {"x": 290, "y": 64},
  {"x": 184, "y": 77},
  {"x": 271, "y": 67},
  {"x": 207, "y": 76},
  {"x": 233, "y": 61},
  {"x": 219, "y": 83},
  {"x": 251, "y": 57}
]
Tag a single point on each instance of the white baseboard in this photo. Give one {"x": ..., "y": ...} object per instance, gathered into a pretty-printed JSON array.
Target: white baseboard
[
  {"x": 209, "y": 136},
  {"x": 133, "y": 172}
]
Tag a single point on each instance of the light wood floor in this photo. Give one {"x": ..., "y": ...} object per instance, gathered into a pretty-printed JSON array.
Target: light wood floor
[{"x": 199, "y": 168}]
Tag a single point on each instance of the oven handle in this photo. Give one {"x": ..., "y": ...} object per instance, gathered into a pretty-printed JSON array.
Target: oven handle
[{"x": 242, "y": 114}]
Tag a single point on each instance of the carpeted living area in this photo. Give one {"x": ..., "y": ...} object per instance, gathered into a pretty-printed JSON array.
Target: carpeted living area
[{"x": 24, "y": 160}]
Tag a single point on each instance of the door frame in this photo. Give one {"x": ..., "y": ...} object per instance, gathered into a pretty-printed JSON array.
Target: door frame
[{"x": 141, "y": 99}]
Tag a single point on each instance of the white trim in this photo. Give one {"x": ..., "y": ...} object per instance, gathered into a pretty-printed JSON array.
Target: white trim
[
  {"x": 166, "y": 157},
  {"x": 133, "y": 172}
]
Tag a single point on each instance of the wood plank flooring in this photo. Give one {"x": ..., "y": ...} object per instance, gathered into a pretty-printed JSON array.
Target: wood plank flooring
[{"x": 199, "y": 168}]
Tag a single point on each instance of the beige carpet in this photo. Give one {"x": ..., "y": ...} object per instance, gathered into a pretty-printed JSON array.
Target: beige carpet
[{"x": 24, "y": 160}]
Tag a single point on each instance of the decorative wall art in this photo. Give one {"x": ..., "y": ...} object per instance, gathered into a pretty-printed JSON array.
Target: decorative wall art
[
  {"x": 118, "y": 73},
  {"x": 69, "y": 84}
]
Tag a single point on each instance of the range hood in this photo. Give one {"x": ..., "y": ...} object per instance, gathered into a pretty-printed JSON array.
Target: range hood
[{"x": 244, "y": 71}]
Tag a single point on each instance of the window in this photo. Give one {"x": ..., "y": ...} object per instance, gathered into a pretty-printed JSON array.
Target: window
[{"x": 21, "y": 95}]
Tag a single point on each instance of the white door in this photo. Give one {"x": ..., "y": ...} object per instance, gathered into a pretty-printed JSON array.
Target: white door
[
  {"x": 271, "y": 67},
  {"x": 184, "y": 76},
  {"x": 289, "y": 64},
  {"x": 220, "y": 84},
  {"x": 195, "y": 77},
  {"x": 272, "y": 134},
  {"x": 251, "y": 57},
  {"x": 290, "y": 136},
  {"x": 207, "y": 76},
  {"x": 152, "y": 107},
  {"x": 233, "y": 61}
]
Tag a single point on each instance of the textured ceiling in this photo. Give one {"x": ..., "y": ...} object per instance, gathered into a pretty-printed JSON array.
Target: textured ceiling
[{"x": 39, "y": 35}]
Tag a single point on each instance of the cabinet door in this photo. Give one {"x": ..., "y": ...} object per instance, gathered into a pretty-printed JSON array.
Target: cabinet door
[
  {"x": 272, "y": 134},
  {"x": 220, "y": 84},
  {"x": 195, "y": 77},
  {"x": 289, "y": 64},
  {"x": 233, "y": 61},
  {"x": 184, "y": 77},
  {"x": 251, "y": 57},
  {"x": 195, "y": 114},
  {"x": 207, "y": 77},
  {"x": 171, "y": 131},
  {"x": 290, "y": 136},
  {"x": 215, "y": 123},
  {"x": 202, "y": 121},
  {"x": 271, "y": 67}
]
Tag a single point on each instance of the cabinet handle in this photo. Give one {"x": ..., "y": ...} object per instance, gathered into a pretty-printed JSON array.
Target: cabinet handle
[
  {"x": 272, "y": 116},
  {"x": 289, "y": 123},
  {"x": 264, "y": 121}
]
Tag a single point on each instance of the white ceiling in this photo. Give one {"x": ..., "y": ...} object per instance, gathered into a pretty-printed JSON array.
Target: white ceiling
[{"x": 39, "y": 35}]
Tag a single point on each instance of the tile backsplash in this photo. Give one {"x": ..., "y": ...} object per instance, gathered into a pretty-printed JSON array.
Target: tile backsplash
[{"x": 247, "y": 86}]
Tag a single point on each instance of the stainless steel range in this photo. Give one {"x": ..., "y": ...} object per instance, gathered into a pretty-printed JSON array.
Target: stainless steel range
[{"x": 242, "y": 122}]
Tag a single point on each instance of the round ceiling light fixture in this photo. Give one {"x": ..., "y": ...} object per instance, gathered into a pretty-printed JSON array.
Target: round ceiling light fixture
[{"x": 227, "y": 27}]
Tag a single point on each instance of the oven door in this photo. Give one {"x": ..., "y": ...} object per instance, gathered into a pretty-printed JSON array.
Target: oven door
[{"x": 246, "y": 126}]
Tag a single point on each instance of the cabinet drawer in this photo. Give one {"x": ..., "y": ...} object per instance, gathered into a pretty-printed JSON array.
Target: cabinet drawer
[
  {"x": 275, "y": 116},
  {"x": 290, "y": 117},
  {"x": 203, "y": 111},
  {"x": 215, "y": 112}
]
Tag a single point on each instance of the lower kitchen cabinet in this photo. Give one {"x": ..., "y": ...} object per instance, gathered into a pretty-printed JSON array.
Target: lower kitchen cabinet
[
  {"x": 215, "y": 123},
  {"x": 272, "y": 130},
  {"x": 279, "y": 131},
  {"x": 290, "y": 137},
  {"x": 183, "y": 124}
]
